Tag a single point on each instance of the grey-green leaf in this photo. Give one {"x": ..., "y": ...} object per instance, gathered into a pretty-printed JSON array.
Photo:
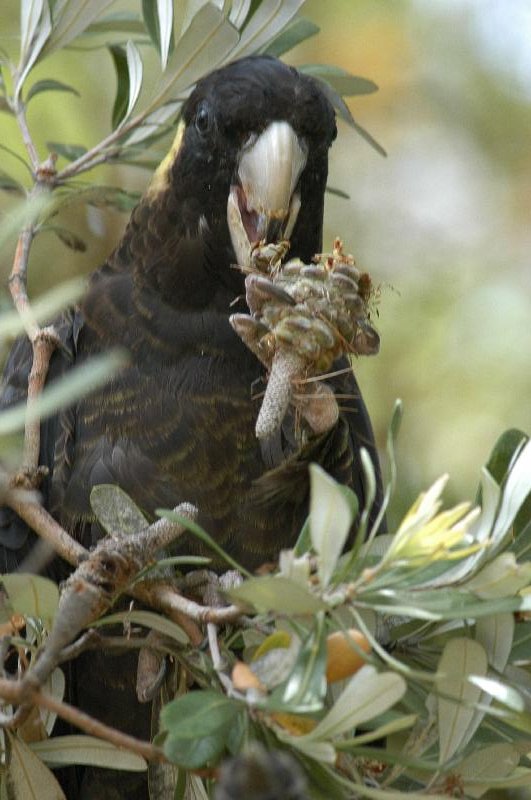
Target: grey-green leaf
[
  {"x": 269, "y": 19},
  {"x": 158, "y": 18},
  {"x": 115, "y": 510},
  {"x": 68, "y": 151},
  {"x": 71, "y": 18},
  {"x": 62, "y": 751},
  {"x": 339, "y": 79},
  {"x": 9, "y": 184},
  {"x": 206, "y": 42},
  {"x": 277, "y": 594},
  {"x": 27, "y": 777},
  {"x": 294, "y": 34},
  {"x": 49, "y": 85},
  {"x": 331, "y": 518},
  {"x": 367, "y": 695},
  {"x": 32, "y": 595},
  {"x": 148, "y": 619},
  {"x": 197, "y": 714},
  {"x": 461, "y": 657}
]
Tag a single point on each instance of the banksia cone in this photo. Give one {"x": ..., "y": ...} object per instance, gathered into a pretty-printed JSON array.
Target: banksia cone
[{"x": 303, "y": 317}]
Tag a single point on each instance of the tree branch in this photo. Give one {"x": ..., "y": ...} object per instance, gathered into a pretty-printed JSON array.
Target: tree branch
[{"x": 25, "y": 693}]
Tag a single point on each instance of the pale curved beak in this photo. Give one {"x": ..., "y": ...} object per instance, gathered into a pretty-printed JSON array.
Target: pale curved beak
[{"x": 263, "y": 202}]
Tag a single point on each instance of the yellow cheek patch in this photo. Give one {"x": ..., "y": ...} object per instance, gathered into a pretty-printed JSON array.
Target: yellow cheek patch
[{"x": 161, "y": 178}]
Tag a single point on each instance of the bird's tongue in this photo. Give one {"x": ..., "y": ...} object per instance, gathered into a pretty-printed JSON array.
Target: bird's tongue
[{"x": 250, "y": 219}]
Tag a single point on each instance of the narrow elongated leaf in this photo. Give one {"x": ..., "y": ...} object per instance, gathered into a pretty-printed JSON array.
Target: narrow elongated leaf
[
  {"x": 36, "y": 37},
  {"x": 134, "y": 66},
  {"x": 99, "y": 196},
  {"x": 158, "y": 18},
  {"x": 30, "y": 14},
  {"x": 367, "y": 695},
  {"x": 306, "y": 686},
  {"x": 461, "y": 657},
  {"x": 239, "y": 11},
  {"x": 115, "y": 510},
  {"x": 297, "y": 32},
  {"x": 508, "y": 445},
  {"x": 68, "y": 238},
  {"x": 9, "y": 184},
  {"x": 269, "y": 19},
  {"x": 148, "y": 619},
  {"x": 516, "y": 488},
  {"x": 32, "y": 595},
  {"x": 63, "y": 392},
  {"x": 50, "y": 86},
  {"x": 207, "y": 41},
  {"x": 339, "y": 79},
  {"x": 331, "y": 518},
  {"x": 499, "y": 691},
  {"x": 54, "y": 686},
  {"x": 72, "y": 17},
  {"x": 121, "y": 100},
  {"x": 277, "y": 594},
  {"x": 495, "y": 633},
  {"x": 62, "y": 751},
  {"x": 68, "y": 151},
  {"x": 154, "y": 124},
  {"x": 27, "y": 777}
]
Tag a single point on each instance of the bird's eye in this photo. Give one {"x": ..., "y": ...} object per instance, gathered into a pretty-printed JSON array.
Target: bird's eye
[{"x": 203, "y": 119}]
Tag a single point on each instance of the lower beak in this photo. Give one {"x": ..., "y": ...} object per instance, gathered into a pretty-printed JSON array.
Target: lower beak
[{"x": 263, "y": 202}]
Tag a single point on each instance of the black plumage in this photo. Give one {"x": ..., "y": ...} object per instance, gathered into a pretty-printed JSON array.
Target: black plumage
[{"x": 177, "y": 423}]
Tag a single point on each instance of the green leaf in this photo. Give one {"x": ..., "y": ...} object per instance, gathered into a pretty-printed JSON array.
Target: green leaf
[
  {"x": 9, "y": 184},
  {"x": 36, "y": 27},
  {"x": 299, "y": 30},
  {"x": 499, "y": 691},
  {"x": 198, "y": 713},
  {"x": 493, "y": 762},
  {"x": 68, "y": 238},
  {"x": 337, "y": 192},
  {"x": 508, "y": 445},
  {"x": 148, "y": 619},
  {"x": 62, "y": 751},
  {"x": 460, "y": 658},
  {"x": 27, "y": 777},
  {"x": 158, "y": 18},
  {"x": 119, "y": 22},
  {"x": 366, "y": 695},
  {"x": 331, "y": 518},
  {"x": 339, "y": 79},
  {"x": 381, "y": 732},
  {"x": 134, "y": 71},
  {"x": 502, "y": 577},
  {"x": 201, "y": 534},
  {"x": 32, "y": 595},
  {"x": 62, "y": 393},
  {"x": 195, "y": 753},
  {"x": 153, "y": 127},
  {"x": 269, "y": 19},
  {"x": 122, "y": 84},
  {"x": 68, "y": 151},
  {"x": 54, "y": 686},
  {"x": 271, "y": 593},
  {"x": 50, "y": 86},
  {"x": 71, "y": 18},
  {"x": 306, "y": 686},
  {"x": 207, "y": 41},
  {"x": 115, "y": 510},
  {"x": 238, "y": 12},
  {"x": 495, "y": 633},
  {"x": 99, "y": 196}
]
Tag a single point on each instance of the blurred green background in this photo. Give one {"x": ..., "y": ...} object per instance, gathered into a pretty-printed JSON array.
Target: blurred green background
[{"x": 442, "y": 223}]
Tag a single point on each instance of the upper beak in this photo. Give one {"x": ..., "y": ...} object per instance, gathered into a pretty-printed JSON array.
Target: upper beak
[{"x": 263, "y": 202}]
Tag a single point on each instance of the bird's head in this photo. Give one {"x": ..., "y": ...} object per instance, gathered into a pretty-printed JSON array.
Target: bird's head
[{"x": 250, "y": 160}]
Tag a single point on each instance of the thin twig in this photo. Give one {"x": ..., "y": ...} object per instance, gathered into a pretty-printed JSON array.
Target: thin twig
[
  {"x": 23, "y": 692},
  {"x": 19, "y": 110}
]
